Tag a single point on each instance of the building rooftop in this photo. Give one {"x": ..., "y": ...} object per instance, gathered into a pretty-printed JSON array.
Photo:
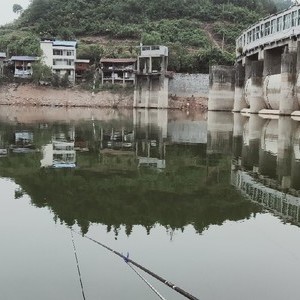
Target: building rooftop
[
  {"x": 64, "y": 43},
  {"x": 82, "y": 61},
  {"x": 2, "y": 55},
  {"x": 24, "y": 58},
  {"x": 118, "y": 60}
]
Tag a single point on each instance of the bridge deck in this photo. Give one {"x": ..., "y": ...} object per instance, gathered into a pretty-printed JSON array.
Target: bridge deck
[{"x": 271, "y": 30}]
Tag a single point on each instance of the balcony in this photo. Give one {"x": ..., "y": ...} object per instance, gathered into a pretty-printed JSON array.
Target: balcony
[{"x": 23, "y": 73}]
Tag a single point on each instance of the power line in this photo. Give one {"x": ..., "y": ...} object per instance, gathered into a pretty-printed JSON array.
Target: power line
[{"x": 78, "y": 268}]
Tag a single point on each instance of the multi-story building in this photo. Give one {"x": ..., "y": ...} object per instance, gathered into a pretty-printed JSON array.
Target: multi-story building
[
  {"x": 60, "y": 56},
  {"x": 118, "y": 70}
]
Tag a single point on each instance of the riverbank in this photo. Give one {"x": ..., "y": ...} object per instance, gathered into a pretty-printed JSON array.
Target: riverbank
[{"x": 31, "y": 95}]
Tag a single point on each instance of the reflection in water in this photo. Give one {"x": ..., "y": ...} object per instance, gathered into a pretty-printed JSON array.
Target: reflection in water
[
  {"x": 143, "y": 171},
  {"x": 139, "y": 168},
  {"x": 266, "y": 166},
  {"x": 115, "y": 162}
]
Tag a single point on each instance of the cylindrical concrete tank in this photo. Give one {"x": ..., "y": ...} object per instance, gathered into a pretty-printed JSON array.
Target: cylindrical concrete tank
[{"x": 272, "y": 90}]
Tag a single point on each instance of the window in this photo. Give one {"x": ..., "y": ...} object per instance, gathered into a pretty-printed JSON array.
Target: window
[
  {"x": 57, "y": 52},
  {"x": 267, "y": 28},
  {"x": 257, "y": 33},
  {"x": 294, "y": 18},
  {"x": 273, "y": 26},
  {"x": 262, "y": 30},
  {"x": 287, "y": 21},
  {"x": 70, "y": 53},
  {"x": 279, "y": 24},
  {"x": 248, "y": 37}
]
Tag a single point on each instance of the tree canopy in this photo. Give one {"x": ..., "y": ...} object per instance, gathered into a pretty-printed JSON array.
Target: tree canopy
[{"x": 195, "y": 26}]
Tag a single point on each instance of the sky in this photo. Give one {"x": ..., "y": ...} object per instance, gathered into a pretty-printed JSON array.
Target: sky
[{"x": 6, "y": 13}]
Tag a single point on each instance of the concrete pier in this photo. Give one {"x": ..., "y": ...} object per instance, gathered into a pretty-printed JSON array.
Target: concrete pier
[
  {"x": 256, "y": 96},
  {"x": 222, "y": 84},
  {"x": 239, "y": 93}
]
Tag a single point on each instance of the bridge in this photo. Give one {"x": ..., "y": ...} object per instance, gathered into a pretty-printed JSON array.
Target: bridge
[{"x": 265, "y": 78}]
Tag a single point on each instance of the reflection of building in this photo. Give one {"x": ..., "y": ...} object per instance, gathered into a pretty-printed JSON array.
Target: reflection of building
[
  {"x": 151, "y": 134},
  {"x": 60, "y": 56},
  {"x": 59, "y": 154},
  {"x": 23, "y": 142},
  {"x": 118, "y": 70},
  {"x": 23, "y": 66}
]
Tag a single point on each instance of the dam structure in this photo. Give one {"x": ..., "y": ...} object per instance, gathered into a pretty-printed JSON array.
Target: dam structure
[{"x": 266, "y": 75}]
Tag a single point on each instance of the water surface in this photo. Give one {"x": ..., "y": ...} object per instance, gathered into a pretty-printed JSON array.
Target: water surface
[{"x": 208, "y": 201}]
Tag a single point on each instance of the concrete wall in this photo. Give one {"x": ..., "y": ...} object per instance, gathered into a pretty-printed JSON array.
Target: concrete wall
[
  {"x": 47, "y": 56},
  {"x": 222, "y": 88},
  {"x": 186, "y": 85}
]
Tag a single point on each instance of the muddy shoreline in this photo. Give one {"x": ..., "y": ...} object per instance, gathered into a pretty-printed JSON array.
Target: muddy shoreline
[{"x": 31, "y": 95}]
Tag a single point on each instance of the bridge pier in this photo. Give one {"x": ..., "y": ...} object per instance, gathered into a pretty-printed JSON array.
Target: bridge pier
[
  {"x": 288, "y": 102},
  {"x": 256, "y": 95},
  {"x": 221, "y": 92},
  {"x": 239, "y": 93}
]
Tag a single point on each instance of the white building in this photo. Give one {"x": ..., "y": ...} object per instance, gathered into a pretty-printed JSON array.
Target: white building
[{"x": 60, "y": 56}]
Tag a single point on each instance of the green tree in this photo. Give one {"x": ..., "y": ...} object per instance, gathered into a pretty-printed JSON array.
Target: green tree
[
  {"x": 17, "y": 8},
  {"x": 152, "y": 38},
  {"x": 41, "y": 72}
]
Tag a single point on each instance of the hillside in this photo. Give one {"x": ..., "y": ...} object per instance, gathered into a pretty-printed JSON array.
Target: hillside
[{"x": 198, "y": 32}]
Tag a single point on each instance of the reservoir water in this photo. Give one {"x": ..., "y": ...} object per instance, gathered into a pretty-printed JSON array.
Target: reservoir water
[{"x": 208, "y": 201}]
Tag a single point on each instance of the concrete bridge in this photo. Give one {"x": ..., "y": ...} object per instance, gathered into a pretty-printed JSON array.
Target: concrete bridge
[{"x": 265, "y": 78}]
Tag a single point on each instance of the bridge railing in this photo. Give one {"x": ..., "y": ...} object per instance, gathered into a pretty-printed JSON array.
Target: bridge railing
[{"x": 283, "y": 25}]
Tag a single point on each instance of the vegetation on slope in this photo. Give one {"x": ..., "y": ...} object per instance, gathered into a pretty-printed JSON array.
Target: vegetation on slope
[{"x": 179, "y": 24}]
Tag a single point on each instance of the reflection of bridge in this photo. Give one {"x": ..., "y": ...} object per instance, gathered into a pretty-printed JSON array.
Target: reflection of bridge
[
  {"x": 282, "y": 204},
  {"x": 267, "y": 68}
]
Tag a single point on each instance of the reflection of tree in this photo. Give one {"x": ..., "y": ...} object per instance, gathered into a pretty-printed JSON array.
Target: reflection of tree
[
  {"x": 109, "y": 188},
  {"x": 174, "y": 198}
]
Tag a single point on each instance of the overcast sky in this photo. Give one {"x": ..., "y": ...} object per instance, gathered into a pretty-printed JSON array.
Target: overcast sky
[{"x": 6, "y": 13}]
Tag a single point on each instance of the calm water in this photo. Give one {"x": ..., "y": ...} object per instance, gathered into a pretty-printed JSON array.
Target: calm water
[{"x": 209, "y": 202}]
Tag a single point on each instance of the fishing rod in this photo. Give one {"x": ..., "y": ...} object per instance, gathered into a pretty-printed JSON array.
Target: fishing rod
[{"x": 128, "y": 260}]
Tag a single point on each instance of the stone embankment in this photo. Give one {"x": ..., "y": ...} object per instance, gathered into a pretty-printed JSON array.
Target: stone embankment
[
  {"x": 27, "y": 94},
  {"x": 31, "y": 95}
]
